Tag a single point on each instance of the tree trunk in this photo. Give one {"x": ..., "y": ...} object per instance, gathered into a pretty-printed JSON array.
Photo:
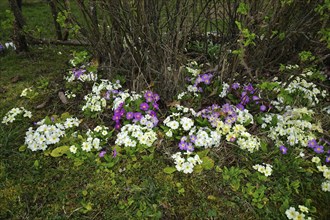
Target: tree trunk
[
  {"x": 18, "y": 35},
  {"x": 19, "y": 3},
  {"x": 54, "y": 11}
]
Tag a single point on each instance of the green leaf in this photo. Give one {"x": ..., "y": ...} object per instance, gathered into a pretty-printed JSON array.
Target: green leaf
[
  {"x": 59, "y": 151},
  {"x": 208, "y": 163},
  {"x": 48, "y": 121},
  {"x": 198, "y": 168},
  {"x": 203, "y": 153},
  {"x": 65, "y": 115},
  {"x": 78, "y": 162},
  {"x": 22, "y": 148},
  {"x": 36, "y": 164},
  {"x": 243, "y": 8},
  {"x": 169, "y": 170},
  {"x": 263, "y": 146},
  {"x": 84, "y": 192}
]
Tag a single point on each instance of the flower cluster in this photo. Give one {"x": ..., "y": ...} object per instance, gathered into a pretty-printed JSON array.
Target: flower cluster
[
  {"x": 70, "y": 94},
  {"x": 45, "y": 135},
  {"x": 132, "y": 135},
  {"x": 101, "y": 92},
  {"x": 291, "y": 128},
  {"x": 9, "y": 45},
  {"x": 308, "y": 90},
  {"x": 125, "y": 108},
  {"x": 225, "y": 89},
  {"x": 319, "y": 149},
  {"x": 26, "y": 92},
  {"x": 265, "y": 169},
  {"x": 95, "y": 139},
  {"x": 81, "y": 75},
  {"x": 325, "y": 170},
  {"x": 291, "y": 213},
  {"x": 246, "y": 94},
  {"x": 186, "y": 165},
  {"x": 195, "y": 136},
  {"x": 11, "y": 115},
  {"x": 196, "y": 79}
]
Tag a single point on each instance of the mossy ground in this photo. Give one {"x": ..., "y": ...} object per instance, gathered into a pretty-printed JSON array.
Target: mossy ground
[{"x": 35, "y": 186}]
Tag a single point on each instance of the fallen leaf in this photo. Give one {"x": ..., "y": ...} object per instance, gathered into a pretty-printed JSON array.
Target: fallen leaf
[
  {"x": 62, "y": 97},
  {"x": 15, "y": 79}
]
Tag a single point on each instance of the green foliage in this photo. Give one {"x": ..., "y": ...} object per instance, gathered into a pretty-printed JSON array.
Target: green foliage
[
  {"x": 139, "y": 183},
  {"x": 64, "y": 21},
  {"x": 243, "y": 8},
  {"x": 59, "y": 151},
  {"x": 6, "y": 24},
  {"x": 306, "y": 56}
]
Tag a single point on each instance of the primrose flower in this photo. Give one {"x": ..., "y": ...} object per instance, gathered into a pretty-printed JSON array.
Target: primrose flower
[
  {"x": 117, "y": 126},
  {"x": 265, "y": 169},
  {"x": 316, "y": 160},
  {"x": 182, "y": 145},
  {"x": 303, "y": 208},
  {"x": 102, "y": 153},
  {"x": 283, "y": 149},
  {"x": 327, "y": 159},
  {"x": 240, "y": 106},
  {"x": 249, "y": 88},
  {"x": 193, "y": 138},
  {"x": 326, "y": 186},
  {"x": 144, "y": 106},
  {"x": 148, "y": 94},
  {"x": 156, "y": 97},
  {"x": 235, "y": 85},
  {"x": 73, "y": 149},
  {"x": 291, "y": 213},
  {"x": 263, "y": 108},
  {"x": 319, "y": 149},
  {"x": 245, "y": 98},
  {"x": 137, "y": 116},
  {"x": 129, "y": 115},
  {"x": 312, "y": 143}
]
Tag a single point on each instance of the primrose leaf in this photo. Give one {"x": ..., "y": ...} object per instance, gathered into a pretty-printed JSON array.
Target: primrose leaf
[
  {"x": 59, "y": 151},
  {"x": 169, "y": 170}
]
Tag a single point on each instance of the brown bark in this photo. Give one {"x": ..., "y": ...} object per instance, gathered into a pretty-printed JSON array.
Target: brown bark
[
  {"x": 18, "y": 35},
  {"x": 54, "y": 11}
]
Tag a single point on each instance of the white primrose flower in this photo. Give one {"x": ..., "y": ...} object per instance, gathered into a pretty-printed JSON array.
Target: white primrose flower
[
  {"x": 186, "y": 123},
  {"x": 291, "y": 213},
  {"x": 132, "y": 134},
  {"x": 45, "y": 135},
  {"x": 224, "y": 91},
  {"x": 10, "y": 116},
  {"x": 265, "y": 169},
  {"x": 73, "y": 149},
  {"x": 303, "y": 208},
  {"x": 173, "y": 125},
  {"x": 186, "y": 165},
  {"x": 316, "y": 160},
  {"x": 326, "y": 186},
  {"x": 26, "y": 91},
  {"x": 169, "y": 133}
]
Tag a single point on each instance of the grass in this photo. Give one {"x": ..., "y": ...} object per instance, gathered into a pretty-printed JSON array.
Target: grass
[{"x": 36, "y": 186}]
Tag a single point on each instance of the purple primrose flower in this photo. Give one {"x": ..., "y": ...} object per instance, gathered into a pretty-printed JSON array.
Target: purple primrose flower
[
  {"x": 144, "y": 106},
  {"x": 137, "y": 116},
  {"x": 319, "y": 149},
  {"x": 129, "y": 115},
  {"x": 283, "y": 149},
  {"x": 312, "y": 143},
  {"x": 102, "y": 153}
]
